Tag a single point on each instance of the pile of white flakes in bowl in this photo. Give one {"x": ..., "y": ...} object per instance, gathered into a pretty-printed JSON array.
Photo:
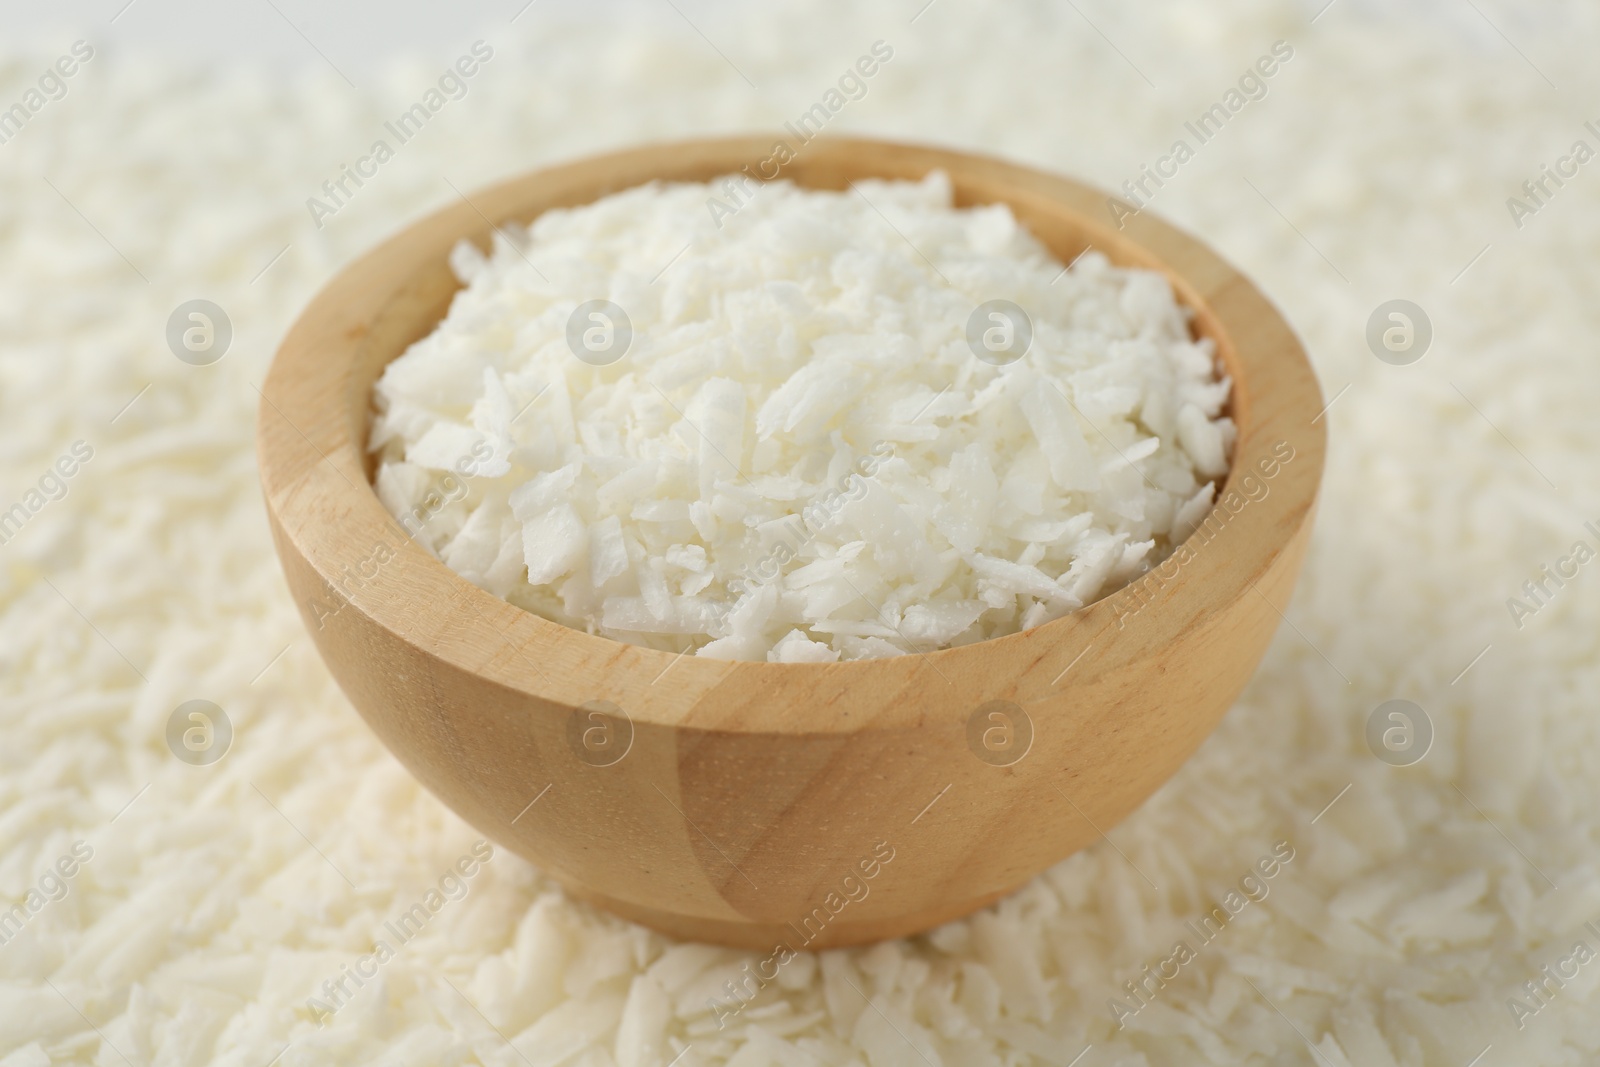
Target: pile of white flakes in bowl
[{"x": 819, "y": 425}]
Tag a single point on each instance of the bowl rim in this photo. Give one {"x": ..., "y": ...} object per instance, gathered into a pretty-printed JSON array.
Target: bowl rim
[{"x": 314, "y": 465}]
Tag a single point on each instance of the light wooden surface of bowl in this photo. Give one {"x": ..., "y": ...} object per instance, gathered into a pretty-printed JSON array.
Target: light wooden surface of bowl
[{"x": 759, "y": 804}]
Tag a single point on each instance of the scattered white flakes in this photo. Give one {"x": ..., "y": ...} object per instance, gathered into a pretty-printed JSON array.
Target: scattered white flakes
[{"x": 204, "y": 921}]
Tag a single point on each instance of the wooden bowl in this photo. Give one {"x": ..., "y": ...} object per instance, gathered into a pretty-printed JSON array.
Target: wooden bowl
[{"x": 759, "y": 804}]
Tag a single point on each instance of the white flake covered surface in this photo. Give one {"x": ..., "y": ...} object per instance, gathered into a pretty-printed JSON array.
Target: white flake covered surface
[
  {"x": 1419, "y": 900},
  {"x": 782, "y": 439}
]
